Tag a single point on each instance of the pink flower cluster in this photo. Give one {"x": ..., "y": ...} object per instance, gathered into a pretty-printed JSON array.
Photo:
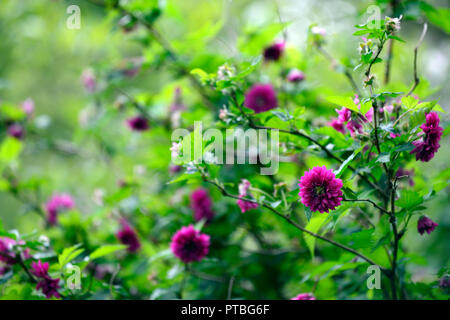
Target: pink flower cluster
[
  {"x": 56, "y": 204},
  {"x": 243, "y": 192},
  {"x": 201, "y": 205},
  {"x": 354, "y": 122},
  {"x": 320, "y": 190},
  {"x": 48, "y": 285},
  {"x": 429, "y": 145},
  {"x": 189, "y": 245}
]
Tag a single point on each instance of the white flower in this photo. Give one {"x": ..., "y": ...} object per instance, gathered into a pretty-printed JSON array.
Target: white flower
[
  {"x": 318, "y": 31},
  {"x": 392, "y": 24},
  {"x": 175, "y": 149}
]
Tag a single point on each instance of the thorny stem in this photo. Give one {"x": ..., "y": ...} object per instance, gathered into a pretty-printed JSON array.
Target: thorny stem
[{"x": 293, "y": 223}]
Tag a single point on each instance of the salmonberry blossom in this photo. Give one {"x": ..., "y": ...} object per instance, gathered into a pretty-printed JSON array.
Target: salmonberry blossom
[
  {"x": 56, "y": 204},
  {"x": 429, "y": 145},
  {"x": 28, "y": 106},
  {"x": 189, "y": 245},
  {"x": 274, "y": 51},
  {"x": 337, "y": 125},
  {"x": 48, "y": 285},
  {"x": 425, "y": 224},
  {"x": 138, "y": 123},
  {"x": 261, "y": 98},
  {"x": 243, "y": 192},
  {"x": 320, "y": 190},
  {"x": 304, "y": 296},
  {"x": 128, "y": 236},
  {"x": 295, "y": 75},
  {"x": 201, "y": 205}
]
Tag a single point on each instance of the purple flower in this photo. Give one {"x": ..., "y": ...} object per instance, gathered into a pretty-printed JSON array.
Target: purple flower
[
  {"x": 320, "y": 190},
  {"x": 353, "y": 126},
  {"x": 7, "y": 256},
  {"x": 45, "y": 283},
  {"x": 261, "y": 98},
  {"x": 39, "y": 269},
  {"x": 49, "y": 287},
  {"x": 304, "y": 296},
  {"x": 16, "y": 130},
  {"x": 274, "y": 52},
  {"x": 295, "y": 75},
  {"x": 344, "y": 114},
  {"x": 128, "y": 236},
  {"x": 425, "y": 224},
  {"x": 56, "y": 204},
  {"x": 201, "y": 204},
  {"x": 337, "y": 125},
  {"x": 138, "y": 123},
  {"x": 429, "y": 145},
  {"x": 444, "y": 282},
  {"x": 243, "y": 192},
  {"x": 189, "y": 244}
]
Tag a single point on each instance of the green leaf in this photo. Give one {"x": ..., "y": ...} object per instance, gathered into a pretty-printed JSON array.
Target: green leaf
[
  {"x": 409, "y": 199},
  {"x": 346, "y": 163},
  {"x": 308, "y": 213},
  {"x": 105, "y": 250},
  {"x": 69, "y": 254},
  {"x": 10, "y": 149},
  {"x": 313, "y": 225},
  {"x": 409, "y": 102},
  {"x": 344, "y": 102},
  {"x": 384, "y": 157}
]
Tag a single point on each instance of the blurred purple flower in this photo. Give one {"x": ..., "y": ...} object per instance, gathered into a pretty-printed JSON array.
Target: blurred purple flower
[
  {"x": 274, "y": 51},
  {"x": 295, "y": 75},
  {"x": 128, "y": 236},
  {"x": 189, "y": 245},
  {"x": 16, "y": 130},
  {"x": 138, "y": 123},
  {"x": 425, "y": 224},
  {"x": 201, "y": 204},
  {"x": 56, "y": 204},
  {"x": 261, "y": 98}
]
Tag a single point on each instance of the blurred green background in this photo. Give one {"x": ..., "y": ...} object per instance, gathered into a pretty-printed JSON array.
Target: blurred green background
[{"x": 40, "y": 58}]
